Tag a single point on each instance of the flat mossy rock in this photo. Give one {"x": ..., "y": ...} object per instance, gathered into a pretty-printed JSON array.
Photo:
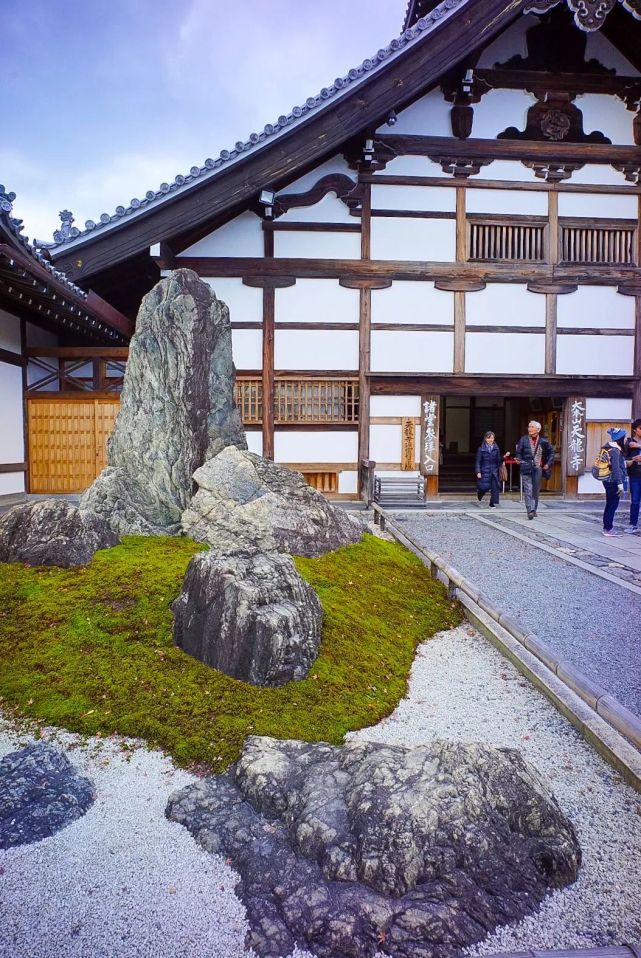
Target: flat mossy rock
[
  {"x": 352, "y": 850},
  {"x": 251, "y": 617},
  {"x": 246, "y": 503},
  {"x": 177, "y": 408},
  {"x": 52, "y": 532},
  {"x": 40, "y": 793}
]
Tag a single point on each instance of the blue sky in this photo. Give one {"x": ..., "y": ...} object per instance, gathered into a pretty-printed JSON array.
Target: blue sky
[{"x": 105, "y": 99}]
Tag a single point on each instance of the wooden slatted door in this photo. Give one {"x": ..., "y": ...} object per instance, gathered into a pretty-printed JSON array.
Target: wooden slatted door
[{"x": 68, "y": 442}]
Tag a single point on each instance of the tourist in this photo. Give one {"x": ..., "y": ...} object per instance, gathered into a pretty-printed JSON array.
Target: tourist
[
  {"x": 535, "y": 456},
  {"x": 632, "y": 452},
  {"x": 617, "y": 480},
  {"x": 488, "y": 462}
]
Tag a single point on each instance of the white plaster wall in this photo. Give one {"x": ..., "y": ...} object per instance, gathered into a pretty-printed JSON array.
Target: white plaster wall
[
  {"x": 594, "y": 173},
  {"x": 245, "y": 302},
  {"x": 499, "y": 109},
  {"x": 336, "y": 164},
  {"x": 316, "y": 349},
  {"x": 254, "y": 441},
  {"x": 608, "y": 410},
  {"x": 395, "y": 406},
  {"x": 412, "y": 302},
  {"x": 410, "y": 239},
  {"x": 318, "y": 446},
  {"x": 602, "y": 50},
  {"x": 247, "y": 348},
  {"x": 437, "y": 199},
  {"x": 507, "y": 353},
  {"x": 385, "y": 443},
  {"x": 317, "y": 301},
  {"x": 40, "y": 337},
  {"x": 318, "y": 245},
  {"x": 598, "y": 306},
  {"x": 11, "y": 483},
  {"x": 348, "y": 482},
  {"x": 242, "y": 236},
  {"x": 9, "y": 332},
  {"x": 595, "y": 355},
  {"x": 413, "y": 166},
  {"x": 528, "y": 202},
  {"x": 328, "y": 210},
  {"x": 508, "y": 44},
  {"x": 608, "y": 114},
  {"x": 11, "y": 435},
  {"x": 504, "y": 304},
  {"x": 36, "y": 373},
  {"x": 507, "y": 170},
  {"x": 405, "y": 351},
  {"x": 428, "y": 116},
  {"x": 596, "y": 205}
]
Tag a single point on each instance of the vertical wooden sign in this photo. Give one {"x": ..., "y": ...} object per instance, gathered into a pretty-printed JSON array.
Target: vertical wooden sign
[
  {"x": 408, "y": 447},
  {"x": 430, "y": 452},
  {"x": 576, "y": 436}
]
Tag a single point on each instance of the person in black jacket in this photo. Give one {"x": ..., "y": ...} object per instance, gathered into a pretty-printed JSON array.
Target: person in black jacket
[
  {"x": 632, "y": 452},
  {"x": 536, "y": 458},
  {"x": 488, "y": 461}
]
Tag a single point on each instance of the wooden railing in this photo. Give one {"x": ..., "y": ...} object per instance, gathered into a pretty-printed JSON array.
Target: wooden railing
[
  {"x": 609, "y": 245},
  {"x": 494, "y": 239},
  {"x": 298, "y": 400}
]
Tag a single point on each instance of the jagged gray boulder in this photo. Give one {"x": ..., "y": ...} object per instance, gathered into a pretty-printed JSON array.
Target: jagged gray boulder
[
  {"x": 347, "y": 851},
  {"x": 245, "y": 502},
  {"x": 177, "y": 408},
  {"x": 40, "y": 793},
  {"x": 52, "y": 532},
  {"x": 252, "y": 617}
]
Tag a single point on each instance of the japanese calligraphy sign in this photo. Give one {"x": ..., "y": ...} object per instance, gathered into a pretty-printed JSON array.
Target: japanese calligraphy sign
[
  {"x": 576, "y": 438},
  {"x": 408, "y": 451},
  {"x": 430, "y": 436}
]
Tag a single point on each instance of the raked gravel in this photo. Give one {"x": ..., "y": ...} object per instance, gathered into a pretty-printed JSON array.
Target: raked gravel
[
  {"x": 123, "y": 882},
  {"x": 587, "y": 620}
]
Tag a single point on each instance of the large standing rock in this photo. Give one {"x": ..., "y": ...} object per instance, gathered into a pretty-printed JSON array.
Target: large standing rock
[
  {"x": 52, "y": 532},
  {"x": 252, "y": 617},
  {"x": 245, "y": 502},
  {"x": 40, "y": 793},
  {"x": 177, "y": 408},
  {"x": 355, "y": 849}
]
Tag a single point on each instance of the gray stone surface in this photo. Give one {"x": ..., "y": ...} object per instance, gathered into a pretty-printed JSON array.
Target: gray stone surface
[
  {"x": 252, "y": 617},
  {"x": 351, "y": 850},
  {"x": 177, "y": 408},
  {"x": 40, "y": 793},
  {"x": 245, "y": 502},
  {"x": 52, "y": 532}
]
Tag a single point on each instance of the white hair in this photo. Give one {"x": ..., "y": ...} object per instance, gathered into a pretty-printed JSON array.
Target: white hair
[{"x": 533, "y": 422}]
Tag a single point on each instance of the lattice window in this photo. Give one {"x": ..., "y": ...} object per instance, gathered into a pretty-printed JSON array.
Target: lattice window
[
  {"x": 311, "y": 401},
  {"x": 497, "y": 240},
  {"x": 604, "y": 245}
]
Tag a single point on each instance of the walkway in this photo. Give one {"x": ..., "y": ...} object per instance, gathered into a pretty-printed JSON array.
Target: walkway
[{"x": 557, "y": 575}]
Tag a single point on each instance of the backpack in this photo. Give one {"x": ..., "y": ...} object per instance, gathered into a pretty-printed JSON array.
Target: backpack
[{"x": 602, "y": 468}]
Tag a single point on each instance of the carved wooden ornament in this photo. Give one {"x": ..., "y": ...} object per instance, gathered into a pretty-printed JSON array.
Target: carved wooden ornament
[{"x": 589, "y": 15}]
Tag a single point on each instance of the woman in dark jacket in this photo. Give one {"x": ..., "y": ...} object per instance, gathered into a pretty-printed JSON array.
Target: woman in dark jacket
[{"x": 488, "y": 462}]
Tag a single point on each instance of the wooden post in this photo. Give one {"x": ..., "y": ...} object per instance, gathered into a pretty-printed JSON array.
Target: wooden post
[
  {"x": 553, "y": 218},
  {"x": 430, "y": 449},
  {"x": 25, "y": 407},
  {"x": 459, "y": 296},
  {"x": 269, "y": 297},
  {"x": 550, "y": 332},
  {"x": 636, "y": 397},
  {"x": 364, "y": 333}
]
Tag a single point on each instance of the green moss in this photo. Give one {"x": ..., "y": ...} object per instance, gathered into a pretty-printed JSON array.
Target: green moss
[{"x": 90, "y": 649}]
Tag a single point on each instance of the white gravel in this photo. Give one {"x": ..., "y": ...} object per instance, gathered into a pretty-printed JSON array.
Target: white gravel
[{"x": 123, "y": 882}]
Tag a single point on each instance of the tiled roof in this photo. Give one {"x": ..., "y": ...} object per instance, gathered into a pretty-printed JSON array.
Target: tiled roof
[{"x": 68, "y": 234}]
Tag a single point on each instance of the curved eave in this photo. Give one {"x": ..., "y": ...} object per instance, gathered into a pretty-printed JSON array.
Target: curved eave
[{"x": 235, "y": 186}]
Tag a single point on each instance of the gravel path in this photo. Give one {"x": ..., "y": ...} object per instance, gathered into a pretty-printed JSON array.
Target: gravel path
[
  {"x": 591, "y": 622},
  {"x": 463, "y": 689}
]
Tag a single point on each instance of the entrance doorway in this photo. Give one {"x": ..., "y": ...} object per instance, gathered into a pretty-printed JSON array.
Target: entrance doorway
[{"x": 465, "y": 419}]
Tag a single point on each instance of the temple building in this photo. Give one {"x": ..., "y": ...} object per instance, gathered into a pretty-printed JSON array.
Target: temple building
[{"x": 444, "y": 240}]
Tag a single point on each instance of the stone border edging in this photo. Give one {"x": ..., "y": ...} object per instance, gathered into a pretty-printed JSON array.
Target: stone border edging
[{"x": 598, "y": 715}]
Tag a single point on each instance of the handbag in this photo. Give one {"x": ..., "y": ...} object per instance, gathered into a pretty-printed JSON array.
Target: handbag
[{"x": 503, "y": 472}]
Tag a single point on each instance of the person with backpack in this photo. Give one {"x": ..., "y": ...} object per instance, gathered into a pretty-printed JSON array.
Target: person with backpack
[
  {"x": 535, "y": 456},
  {"x": 632, "y": 452},
  {"x": 610, "y": 468}
]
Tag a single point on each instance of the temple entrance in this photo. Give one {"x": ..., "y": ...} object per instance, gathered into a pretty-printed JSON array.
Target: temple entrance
[{"x": 464, "y": 420}]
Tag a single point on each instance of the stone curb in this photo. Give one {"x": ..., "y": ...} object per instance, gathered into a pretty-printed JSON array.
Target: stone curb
[{"x": 598, "y": 715}]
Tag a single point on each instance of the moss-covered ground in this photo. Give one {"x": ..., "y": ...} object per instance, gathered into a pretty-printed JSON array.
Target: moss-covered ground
[{"x": 90, "y": 649}]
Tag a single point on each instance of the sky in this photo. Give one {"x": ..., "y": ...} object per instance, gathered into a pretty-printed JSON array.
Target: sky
[{"x": 105, "y": 99}]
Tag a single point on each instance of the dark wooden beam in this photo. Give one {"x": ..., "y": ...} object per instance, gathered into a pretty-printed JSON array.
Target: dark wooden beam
[
  {"x": 269, "y": 303},
  {"x": 80, "y": 352},
  {"x": 14, "y": 359},
  {"x": 13, "y": 467},
  {"x": 492, "y": 385}
]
